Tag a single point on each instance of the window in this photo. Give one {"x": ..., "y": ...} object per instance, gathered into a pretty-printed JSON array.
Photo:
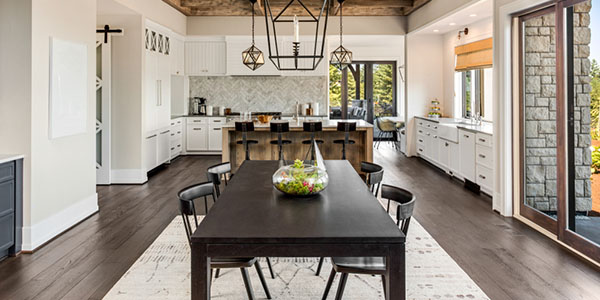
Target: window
[{"x": 475, "y": 90}]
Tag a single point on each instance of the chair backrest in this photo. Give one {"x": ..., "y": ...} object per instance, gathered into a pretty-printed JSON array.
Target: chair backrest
[
  {"x": 312, "y": 126},
  {"x": 374, "y": 175},
  {"x": 187, "y": 208},
  {"x": 406, "y": 204},
  {"x": 244, "y": 126},
  {"x": 280, "y": 127},
  {"x": 346, "y": 126},
  {"x": 218, "y": 174}
]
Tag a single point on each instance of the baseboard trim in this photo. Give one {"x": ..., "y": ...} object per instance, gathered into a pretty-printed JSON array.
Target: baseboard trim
[
  {"x": 40, "y": 233},
  {"x": 128, "y": 176}
]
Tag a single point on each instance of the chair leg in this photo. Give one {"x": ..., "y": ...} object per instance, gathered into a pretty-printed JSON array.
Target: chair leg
[
  {"x": 247, "y": 283},
  {"x": 205, "y": 206},
  {"x": 388, "y": 206},
  {"x": 341, "y": 287},
  {"x": 344, "y": 151},
  {"x": 384, "y": 288},
  {"x": 319, "y": 266},
  {"x": 262, "y": 279},
  {"x": 329, "y": 283},
  {"x": 270, "y": 268},
  {"x": 217, "y": 273}
]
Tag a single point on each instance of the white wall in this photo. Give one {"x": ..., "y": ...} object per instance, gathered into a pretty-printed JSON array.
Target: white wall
[
  {"x": 242, "y": 26},
  {"x": 127, "y": 94},
  {"x": 433, "y": 11},
  {"x": 477, "y": 31},
  {"x": 63, "y": 171},
  {"x": 424, "y": 80}
]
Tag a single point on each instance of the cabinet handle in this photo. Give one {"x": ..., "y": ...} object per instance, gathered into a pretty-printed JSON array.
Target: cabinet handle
[
  {"x": 420, "y": 131},
  {"x": 420, "y": 150},
  {"x": 421, "y": 141},
  {"x": 481, "y": 176},
  {"x": 178, "y": 132},
  {"x": 465, "y": 135},
  {"x": 217, "y": 121},
  {"x": 152, "y": 136},
  {"x": 434, "y": 127},
  {"x": 165, "y": 132},
  {"x": 197, "y": 128},
  {"x": 428, "y": 134},
  {"x": 172, "y": 148},
  {"x": 172, "y": 134},
  {"x": 435, "y": 136},
  {"x": 197, "y": 121},
  {"x": 172, "y": 124},
  {"x": 216, "y": 128},
  {"x": 447, "y": 145},
  {"x": 179, "y": 146},
  {"x": 481, "y": 155}
]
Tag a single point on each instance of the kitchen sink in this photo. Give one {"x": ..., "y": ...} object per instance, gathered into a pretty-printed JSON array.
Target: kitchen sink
[{"x": 448, "y": 131}]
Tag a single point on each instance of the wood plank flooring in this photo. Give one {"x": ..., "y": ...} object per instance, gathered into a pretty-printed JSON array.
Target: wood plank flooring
[{"x": 507, "y": 259}]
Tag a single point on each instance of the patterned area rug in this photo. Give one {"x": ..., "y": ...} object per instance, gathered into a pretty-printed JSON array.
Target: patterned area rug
[{"x": 163, "y": 272}]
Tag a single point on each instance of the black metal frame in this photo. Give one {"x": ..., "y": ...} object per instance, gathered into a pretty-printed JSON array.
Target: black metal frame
[{"x": 316, "y": 57}]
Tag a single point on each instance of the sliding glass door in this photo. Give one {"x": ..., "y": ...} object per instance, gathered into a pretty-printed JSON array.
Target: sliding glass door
[{"x": 559, "y": 124}]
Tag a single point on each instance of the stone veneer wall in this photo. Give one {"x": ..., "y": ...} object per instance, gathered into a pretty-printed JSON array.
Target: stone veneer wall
[
  {"x": 261, "y": 93},
  {"x": 540, "y": 110}
]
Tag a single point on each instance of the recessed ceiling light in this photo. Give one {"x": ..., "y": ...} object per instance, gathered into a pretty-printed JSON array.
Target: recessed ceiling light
[
  {"x": 452, "y": 24},
  {"x": 436, "y": 30},
  {"x": 473, "y": 15}
]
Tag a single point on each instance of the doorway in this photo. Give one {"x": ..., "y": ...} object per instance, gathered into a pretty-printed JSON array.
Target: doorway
[{"x": 103, "y": 60}]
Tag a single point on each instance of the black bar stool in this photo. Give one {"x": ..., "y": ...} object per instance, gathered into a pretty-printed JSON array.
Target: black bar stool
[
  {"x": 244, "y": 128},
  {"x": 346, "y": 127},
  {"x": 313, "y": 128},
  {"x": 279, "y": 128}
]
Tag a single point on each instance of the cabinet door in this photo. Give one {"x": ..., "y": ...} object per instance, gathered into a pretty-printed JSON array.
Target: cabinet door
[
  {"x": 150, "y": 155},
  {"x": 215, "y": 138},
  {"x": 163, "y": 110},
  {"x": 435, "y": 147},
  {"x": 163, "y": 150},
  {"x": 466, "y": 143},
  {"x": 197, "y": 137},
  {"x": 453, "y": 158},
  {"x": 444, "y": 151},
  {"x": 205, "y": 58},
  {"x": 152, "y": 91}
]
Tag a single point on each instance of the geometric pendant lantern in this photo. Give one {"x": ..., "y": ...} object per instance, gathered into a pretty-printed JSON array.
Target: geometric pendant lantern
[
  {"x": 252, "y": 57},
  {"x": 341, "y": 57}
]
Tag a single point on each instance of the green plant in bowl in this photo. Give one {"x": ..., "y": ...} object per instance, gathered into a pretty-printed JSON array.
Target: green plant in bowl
[{"x": 300, "y": 179}]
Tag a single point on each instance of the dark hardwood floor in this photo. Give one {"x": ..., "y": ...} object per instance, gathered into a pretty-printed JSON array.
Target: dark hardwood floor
[{"x": 507, "y": 259}]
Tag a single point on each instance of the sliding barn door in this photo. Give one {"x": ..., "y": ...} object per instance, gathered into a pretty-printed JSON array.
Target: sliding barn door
[{"x": 102, "y": 109}]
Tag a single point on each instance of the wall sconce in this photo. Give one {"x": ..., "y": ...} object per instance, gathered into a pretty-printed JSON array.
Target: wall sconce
[{"x": 463, "y": 32}]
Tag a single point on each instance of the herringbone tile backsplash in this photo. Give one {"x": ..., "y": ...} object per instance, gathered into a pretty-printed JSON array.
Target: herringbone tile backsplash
[{"x": 261, "y": 93}]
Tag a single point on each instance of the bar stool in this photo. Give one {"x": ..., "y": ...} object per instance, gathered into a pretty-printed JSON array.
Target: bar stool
[
  {"x": 244, "y": 128},
  {"x": 279, "y": 128},
  {"x": 312, "y": 127},
  {"x": 345, "y": 127}
]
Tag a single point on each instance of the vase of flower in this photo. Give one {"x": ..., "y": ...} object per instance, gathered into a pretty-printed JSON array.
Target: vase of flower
[{"x": 300, "y": 179}]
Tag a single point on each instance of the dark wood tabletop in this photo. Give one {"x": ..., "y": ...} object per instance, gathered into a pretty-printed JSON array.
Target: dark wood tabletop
[{"x": 250, "y": 208}]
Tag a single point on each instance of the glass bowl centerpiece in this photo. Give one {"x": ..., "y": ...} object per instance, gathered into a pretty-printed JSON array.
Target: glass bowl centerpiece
[{"x": 300, "y": 179}]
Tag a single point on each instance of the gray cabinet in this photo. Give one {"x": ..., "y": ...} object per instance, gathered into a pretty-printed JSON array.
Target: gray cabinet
[{"x": 10, "y": 208}]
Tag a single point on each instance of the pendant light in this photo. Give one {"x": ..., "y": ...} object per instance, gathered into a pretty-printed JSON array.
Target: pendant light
[
  {"x": 252, "y": 57},
  {"x": 294, "y": 55},
  {"x": 341, "y": 57}
]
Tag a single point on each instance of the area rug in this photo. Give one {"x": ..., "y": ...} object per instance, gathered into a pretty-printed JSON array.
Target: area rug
[{"x": 163, "y": 272}]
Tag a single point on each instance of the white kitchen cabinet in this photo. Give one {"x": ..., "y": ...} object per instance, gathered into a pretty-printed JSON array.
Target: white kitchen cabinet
[
  {"x": 466, "y": 143},
  {"x": 203, "y": 58},
  {"x": 484, "y": 162},
  {"x": 215, "y": 138},
  {"x": 163, "y": 149},
  {"x": 434, "y": 147},
  {"x": 453, "y": 161},
  {"x": 197, "y": 137},
  {"x": 177, "y": 55},
  {"x": 150, "y": 147}
]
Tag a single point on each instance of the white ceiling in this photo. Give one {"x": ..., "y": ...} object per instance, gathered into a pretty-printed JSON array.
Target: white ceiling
[{"x": 478, "y": 11}]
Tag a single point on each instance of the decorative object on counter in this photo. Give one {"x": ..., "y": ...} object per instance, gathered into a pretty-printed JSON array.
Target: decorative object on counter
[
  {"x": 435, "y": 109},
  {"x": 290, "y": 59},
  {"x": 227, "y": 111},
  {"x": 209, "y": 110},
  {"x": 341, "y": 57},
  {"x": 305, "y": 108},
  {"x": 252, "y": 57},
  {"x": 315, "y": 107},
  {"x": 309, "y": 111},
  {"x": 300, "y": 179},
  {"x": 264, "y": 119}
]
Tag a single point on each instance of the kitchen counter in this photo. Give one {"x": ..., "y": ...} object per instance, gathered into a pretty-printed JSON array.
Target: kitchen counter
[
  {"x": 485, "y": 127},
  {"x": 10, "y": 157},
  {"x": 328, "y": 125}
]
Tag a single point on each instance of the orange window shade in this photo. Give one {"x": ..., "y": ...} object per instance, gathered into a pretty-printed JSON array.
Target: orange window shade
[{"x": 474, "y": 55}]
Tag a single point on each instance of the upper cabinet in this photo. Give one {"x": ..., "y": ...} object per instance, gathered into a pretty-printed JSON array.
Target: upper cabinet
[
  {"x": 177, "y": 55},
  {"x": 205, "y": 57}
]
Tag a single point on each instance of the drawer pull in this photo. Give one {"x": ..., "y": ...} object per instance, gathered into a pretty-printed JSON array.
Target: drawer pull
[
  {"x": 197, "y": 121},
  {"x": 428, "y": 134},
  {"x": 172, "y": 148},
  {"x": 420, "y": 150},
  {"x": 420, "y": 131},
  {"x": 216, "y": 128},
  {"x": 420, "y": 140},
  {"x": 172, "y": 134},
  {"x": 152, "y": 136},
  {"x": 482, "y": 140},
  {"x": 217, "y": 121},
  {"x": 465, "y": 135},
  {"x": 165, "y": 132},
  {"x": 179, "y": 146},
  {"x": 481, "y": 176},
  {"x": 481, "y": 155},
  {"x": 447, "y": 145},
  {"x": 178, "y": 132},
  {"x": 197, "y": 128},
  {"x": 172, "y": 124},
  {"x": 435, "y": 136}
]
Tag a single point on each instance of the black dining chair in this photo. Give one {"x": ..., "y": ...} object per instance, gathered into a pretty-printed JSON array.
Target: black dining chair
[
  {"x": 187, "y": 209},
  {"x": 279, "y": 128},
  {"x": 312, "y": 128},
  {"x": 244, "y": 128},
  {"x": 219, "y": 174},
  {"x": 345, "y": 127},
  {"x": 373, "y": 265}
]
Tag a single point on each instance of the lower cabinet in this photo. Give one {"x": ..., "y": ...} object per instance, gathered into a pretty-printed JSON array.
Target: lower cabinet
[
  {"x": 448, "y": 153},
  {"x": 150, "y": 147},
  {"x": 204, "y": 134},
  {"x": 215, "y": 138},
  {"x": 197, "y": 137},
  {"x": 157, "y": 149},
  {"x": 163, "y": 150},
  {"x": 466, "y": 142}
]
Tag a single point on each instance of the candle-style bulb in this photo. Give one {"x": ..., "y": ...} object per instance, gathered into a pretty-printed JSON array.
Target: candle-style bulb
[{"x": 296, "y": 30}]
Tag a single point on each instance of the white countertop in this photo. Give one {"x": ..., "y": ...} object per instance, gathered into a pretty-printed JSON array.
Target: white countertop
[
  {"x": 484, "y": 127},
  {"x": 298, "y": 124},
  {"x": 10, "y": 157}
]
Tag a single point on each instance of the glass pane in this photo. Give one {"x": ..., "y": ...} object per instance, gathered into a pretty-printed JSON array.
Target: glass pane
[
  {"x": 335, "y": 93},
  {"x": 357, "y": 103},
  {"x": 468, "y": 93},
  {"x": 539, "y": 100},
  {"x": 383, "y": 90},
  {"x": 583, "y": 91}
]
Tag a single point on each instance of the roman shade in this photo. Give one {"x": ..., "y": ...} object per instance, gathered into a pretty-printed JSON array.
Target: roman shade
[{"x": 476, "y": 55}]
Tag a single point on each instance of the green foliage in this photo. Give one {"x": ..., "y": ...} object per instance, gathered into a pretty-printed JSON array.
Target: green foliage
[
  {"x": 335, "y": 87},
  {"x": 596, "y": 160},
  {"x": 595, "y": 100}
]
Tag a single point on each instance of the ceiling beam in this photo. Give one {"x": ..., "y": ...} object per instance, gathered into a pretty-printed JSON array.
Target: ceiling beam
[
  {"x": 176, "y": 4},
  {"x": 417, "y": 4}
]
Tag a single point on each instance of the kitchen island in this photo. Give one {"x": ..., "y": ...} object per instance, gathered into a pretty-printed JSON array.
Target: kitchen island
[{"x": 356, "y": 153}]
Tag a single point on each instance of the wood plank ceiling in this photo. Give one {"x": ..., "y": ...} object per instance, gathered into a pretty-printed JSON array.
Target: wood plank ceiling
[{"x": 243, "y": 7}]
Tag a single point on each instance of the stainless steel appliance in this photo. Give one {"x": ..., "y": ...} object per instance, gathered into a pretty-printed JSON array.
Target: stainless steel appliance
[{"x": 197, "y": 106}]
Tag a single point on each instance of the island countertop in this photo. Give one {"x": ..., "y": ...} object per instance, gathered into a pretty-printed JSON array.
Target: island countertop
[{"x": 297, "y": 125}]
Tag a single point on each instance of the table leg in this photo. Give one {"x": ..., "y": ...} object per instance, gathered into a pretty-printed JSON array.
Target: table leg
[
  {"x": 396, "y": 277},
  {"x": 200, "y": 272}
]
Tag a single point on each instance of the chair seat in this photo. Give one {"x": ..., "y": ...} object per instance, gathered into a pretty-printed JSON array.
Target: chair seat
[
  {"x": 351, "y": 142},
  {"x": 247, "y": 141},
  {"x": 359, "y": 265},
  {"x": 232, "y": 262},
  {"x": 285, "y": 142},
  {"x": 307, "y": 142}
]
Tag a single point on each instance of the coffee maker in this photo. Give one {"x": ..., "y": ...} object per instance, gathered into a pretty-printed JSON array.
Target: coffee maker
[{"x": 197, "y": 106}]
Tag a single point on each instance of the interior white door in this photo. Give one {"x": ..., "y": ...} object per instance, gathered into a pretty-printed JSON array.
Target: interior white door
[{"x": 102, "y": 110}]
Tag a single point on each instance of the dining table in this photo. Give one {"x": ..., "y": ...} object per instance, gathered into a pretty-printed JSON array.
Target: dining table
[{"x": 253, "y": 219}]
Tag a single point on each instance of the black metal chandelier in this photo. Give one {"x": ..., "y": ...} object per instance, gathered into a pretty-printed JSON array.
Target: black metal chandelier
[
  {"x": 252, "y": 57},
  {"x": 293, "y": 55},
  {"x": 341, "y": 57}
]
